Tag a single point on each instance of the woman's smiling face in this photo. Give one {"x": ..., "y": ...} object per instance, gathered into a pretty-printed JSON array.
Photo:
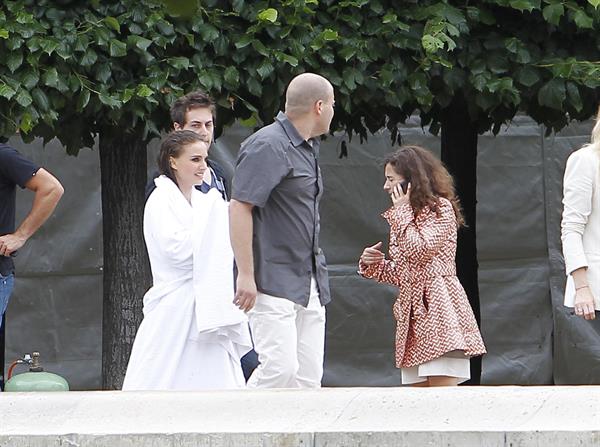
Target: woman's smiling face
[{"x": 190, "y": 165}]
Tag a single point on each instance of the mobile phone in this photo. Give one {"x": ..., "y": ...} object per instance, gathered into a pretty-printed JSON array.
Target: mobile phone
[{"x": 404, "y": 185}]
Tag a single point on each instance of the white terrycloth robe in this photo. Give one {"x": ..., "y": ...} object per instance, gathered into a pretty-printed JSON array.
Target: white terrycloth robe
[{"x": 192, "y": 336}]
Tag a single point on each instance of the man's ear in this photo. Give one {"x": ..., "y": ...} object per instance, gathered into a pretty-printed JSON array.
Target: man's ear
[
  {"x": 319, "y": 106},
  {"x": 177, "y": 126}
]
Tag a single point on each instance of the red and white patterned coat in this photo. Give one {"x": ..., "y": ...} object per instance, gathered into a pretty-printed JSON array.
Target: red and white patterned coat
[{"x": 432, "y": 311}]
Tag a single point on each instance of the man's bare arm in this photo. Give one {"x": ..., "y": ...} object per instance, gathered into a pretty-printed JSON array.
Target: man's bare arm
[
  {"x": 240, "y": 231},
  {"x": 48, "y": 192}
]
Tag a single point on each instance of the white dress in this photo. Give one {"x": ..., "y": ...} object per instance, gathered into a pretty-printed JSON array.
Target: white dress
[{"x": 192, "y": 336}]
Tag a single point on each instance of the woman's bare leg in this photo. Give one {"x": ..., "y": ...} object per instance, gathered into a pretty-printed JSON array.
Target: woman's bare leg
[
  {"x": 425, "y": 383},
  {"x": 442, "y": 381}
]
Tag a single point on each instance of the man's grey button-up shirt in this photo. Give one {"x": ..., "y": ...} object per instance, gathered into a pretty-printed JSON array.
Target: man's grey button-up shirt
[{"x": 278, "y": 172}]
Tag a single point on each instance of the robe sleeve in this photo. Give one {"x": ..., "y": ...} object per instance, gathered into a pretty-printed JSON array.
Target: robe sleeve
[{"x": 166, "y": 234}]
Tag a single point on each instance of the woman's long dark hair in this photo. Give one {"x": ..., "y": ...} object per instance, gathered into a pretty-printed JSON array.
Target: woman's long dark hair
[
  {"x": 429, "y": 179},
  {"x": 172, "y": 146}
]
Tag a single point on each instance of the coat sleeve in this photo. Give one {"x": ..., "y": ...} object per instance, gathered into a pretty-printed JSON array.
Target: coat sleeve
[
  {"x": 384, "y": 271},
  {"x": 422, "y": 238},
  {"x": 166, "y": 235},
  {"x": 577, "y": 202},
  {"x": 387, "y": 271}
]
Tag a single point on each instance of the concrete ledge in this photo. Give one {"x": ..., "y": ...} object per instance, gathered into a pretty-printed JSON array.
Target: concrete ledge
[{"x": 464, "y": 416}]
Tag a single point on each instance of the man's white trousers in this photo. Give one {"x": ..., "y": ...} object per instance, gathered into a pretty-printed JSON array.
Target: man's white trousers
[{"x": 290, "y": 341}]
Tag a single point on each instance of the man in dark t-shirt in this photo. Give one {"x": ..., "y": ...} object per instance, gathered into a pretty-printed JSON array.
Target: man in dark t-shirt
[{"x": 17, "y": 170}]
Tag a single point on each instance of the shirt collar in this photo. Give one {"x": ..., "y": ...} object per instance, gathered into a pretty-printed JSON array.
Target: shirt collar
[{"x": 291, "y": 131}]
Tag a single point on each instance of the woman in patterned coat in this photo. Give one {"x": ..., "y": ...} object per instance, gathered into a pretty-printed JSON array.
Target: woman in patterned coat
[{"x": 436, "y": 332}]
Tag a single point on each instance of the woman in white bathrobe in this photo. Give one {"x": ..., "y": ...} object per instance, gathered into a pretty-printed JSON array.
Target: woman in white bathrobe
[
  {"x": 192, "y": 336},
  {"x": 581, "y": 227}
]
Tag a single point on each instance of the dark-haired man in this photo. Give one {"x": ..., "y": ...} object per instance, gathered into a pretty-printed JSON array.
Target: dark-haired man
[{"x": 195, "y": 111}]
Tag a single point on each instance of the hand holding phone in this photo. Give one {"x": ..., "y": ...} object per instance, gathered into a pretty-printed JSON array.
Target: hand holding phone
[
  {"x": 400, "y": 193},
  {"x": 404, "y": 185}
]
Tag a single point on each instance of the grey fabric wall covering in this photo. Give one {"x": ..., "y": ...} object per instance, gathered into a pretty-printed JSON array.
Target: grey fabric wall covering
[
  {"x": 531, "y": 337},
  {"x": 513, "y": 257}
]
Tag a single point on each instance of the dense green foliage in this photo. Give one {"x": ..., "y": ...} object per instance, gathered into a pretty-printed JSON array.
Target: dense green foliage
[{"x": 72, "y": 68}]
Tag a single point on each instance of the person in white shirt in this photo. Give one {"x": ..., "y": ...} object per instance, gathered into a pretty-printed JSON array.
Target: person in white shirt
[{"x": 581, "y": 227}]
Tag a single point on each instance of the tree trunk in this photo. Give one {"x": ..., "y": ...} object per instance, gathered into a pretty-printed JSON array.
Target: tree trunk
[
  {"x": 126, "y": 268},
  {"x": 459, "y": 153}
]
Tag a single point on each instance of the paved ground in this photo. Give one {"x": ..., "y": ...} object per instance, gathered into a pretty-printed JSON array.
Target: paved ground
[{"x": 464, "y": 416}]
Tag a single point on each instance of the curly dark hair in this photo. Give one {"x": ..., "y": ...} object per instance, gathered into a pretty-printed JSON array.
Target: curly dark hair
[
  {"x": 429, "y": 179},
  {"x": 193, "y": 100},
  {"x": 172, "y": 146}
]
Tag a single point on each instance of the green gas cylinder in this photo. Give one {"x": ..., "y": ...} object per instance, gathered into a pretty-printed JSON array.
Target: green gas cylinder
[{"x": 36, "y": 379}]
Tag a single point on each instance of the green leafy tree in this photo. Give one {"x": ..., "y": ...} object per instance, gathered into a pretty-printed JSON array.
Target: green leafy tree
[{"x": 109, "y": 70}]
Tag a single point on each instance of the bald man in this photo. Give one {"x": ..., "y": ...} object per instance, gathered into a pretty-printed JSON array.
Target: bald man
[{"x": 274, "y": 223}]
